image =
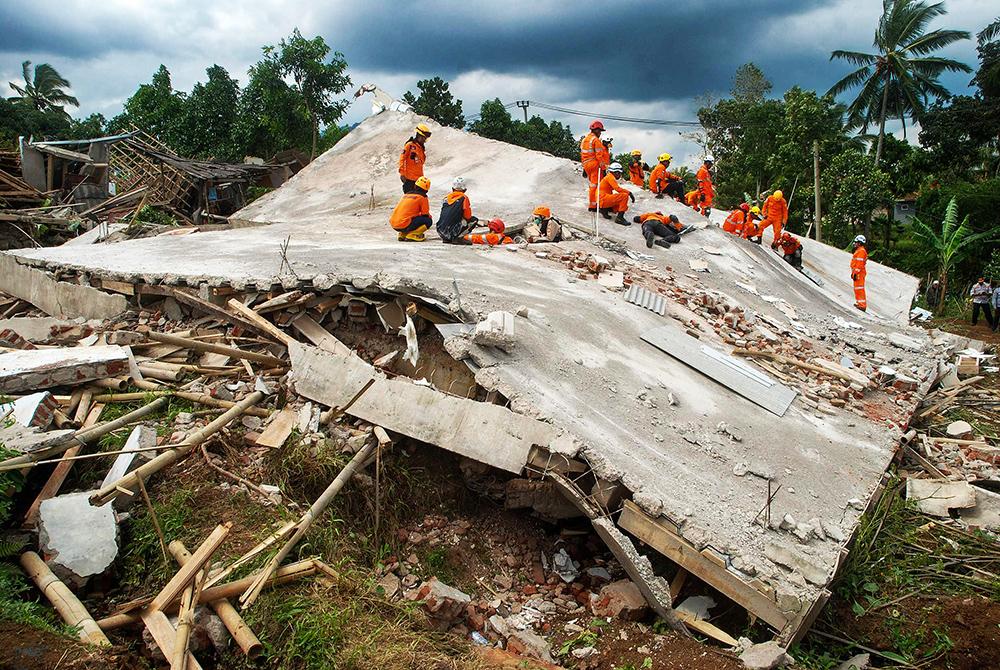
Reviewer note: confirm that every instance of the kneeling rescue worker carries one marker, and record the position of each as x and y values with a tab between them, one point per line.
660	229
612	197
791	249
735	221
493	238
548	225
413	157
859	270
751	228
456	217
412	216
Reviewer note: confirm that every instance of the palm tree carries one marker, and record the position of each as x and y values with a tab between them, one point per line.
988	76
45	90
950	245
901	75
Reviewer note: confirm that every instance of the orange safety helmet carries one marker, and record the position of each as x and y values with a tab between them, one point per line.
597	125
745	207
542	211
496	226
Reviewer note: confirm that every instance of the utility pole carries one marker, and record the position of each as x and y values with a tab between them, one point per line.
819	214
523	104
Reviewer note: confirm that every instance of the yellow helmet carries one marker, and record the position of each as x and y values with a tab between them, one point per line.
423	182
778	194
755	210
422	129
664	157
636	152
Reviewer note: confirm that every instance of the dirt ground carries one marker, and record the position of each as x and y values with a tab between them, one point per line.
24	648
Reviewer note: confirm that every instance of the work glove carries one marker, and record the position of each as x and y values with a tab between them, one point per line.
631	196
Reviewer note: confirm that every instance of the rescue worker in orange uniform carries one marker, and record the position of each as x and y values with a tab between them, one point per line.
592	155
456	217
775	215
859	270
751	227
660	229
412	216
413	157
791	248
693	200
662	181
493	238
613	197
736	219
637	169
705	185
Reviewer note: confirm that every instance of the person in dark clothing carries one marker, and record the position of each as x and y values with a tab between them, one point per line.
659	229
456	220
934	294
981	293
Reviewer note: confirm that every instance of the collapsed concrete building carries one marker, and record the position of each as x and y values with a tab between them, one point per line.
619	387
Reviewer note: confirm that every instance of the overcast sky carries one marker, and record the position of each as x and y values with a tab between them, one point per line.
635	58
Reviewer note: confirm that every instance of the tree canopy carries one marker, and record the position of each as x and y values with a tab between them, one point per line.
437	102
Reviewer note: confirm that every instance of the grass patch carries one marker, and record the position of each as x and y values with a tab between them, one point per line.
13	605
143	559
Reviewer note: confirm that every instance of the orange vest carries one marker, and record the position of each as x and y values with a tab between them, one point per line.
859	262
704	180
491	239
411	160
790	246
775	209
610	185
635	173
692	198
410	205
734	222
591	149
662	218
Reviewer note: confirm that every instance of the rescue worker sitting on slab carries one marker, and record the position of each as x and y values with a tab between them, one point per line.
456	219
662	181
611	197
660	229
413	157
791	249
637	169
412	216
751	227
549	227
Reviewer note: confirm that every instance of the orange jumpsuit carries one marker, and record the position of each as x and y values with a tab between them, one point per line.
734	222
490	239
612	195
693	200
592	155
411	214
751	228
636	175
775	211
859	263
411	161
706	188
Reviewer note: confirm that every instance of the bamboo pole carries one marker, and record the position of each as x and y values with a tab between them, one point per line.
234	623
161	373
748	353
69	607
144	471
232	352
185	621
200	398
113	384
187	572
276	536
83	407
260	323
318	507
285	574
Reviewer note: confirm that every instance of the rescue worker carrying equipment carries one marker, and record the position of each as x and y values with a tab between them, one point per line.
791	248
662	181
705	185
413	157
775	215
594	161
549	227
659	229
613	197
493	238
637	169
751	228
859	270
734	222
412	216
456	217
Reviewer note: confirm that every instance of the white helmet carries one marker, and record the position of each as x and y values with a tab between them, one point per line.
860	239
615	167
458	184
710	158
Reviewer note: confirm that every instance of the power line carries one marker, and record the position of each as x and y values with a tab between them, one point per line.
612	117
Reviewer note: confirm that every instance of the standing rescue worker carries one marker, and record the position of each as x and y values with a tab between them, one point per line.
859	265
637	169
456	217
659	229
775	215
594	161
613	197
412	216
413	157
493	238
705	186
735	221
791	248
661	180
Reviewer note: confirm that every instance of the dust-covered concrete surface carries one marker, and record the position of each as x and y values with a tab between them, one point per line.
633	412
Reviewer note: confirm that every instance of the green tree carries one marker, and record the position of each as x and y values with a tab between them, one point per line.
209	118
901	75
951	243
437	102
155	108
853	186
988	46
750	84
270	118
44	90
956	132
93	126
315	80
496	123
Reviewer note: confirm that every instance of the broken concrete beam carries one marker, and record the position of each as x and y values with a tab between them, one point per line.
936	497
541	496
27	440
607	494
56	298
142	437
79	541
496	330
39	329
32	411
45	368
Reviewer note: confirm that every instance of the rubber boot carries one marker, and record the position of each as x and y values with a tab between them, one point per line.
591	209
401	237
606	212
621	221
662	243
650	239
659	196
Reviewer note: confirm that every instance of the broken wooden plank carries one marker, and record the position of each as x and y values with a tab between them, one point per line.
165	636
188	570
276	432
319	335
258	322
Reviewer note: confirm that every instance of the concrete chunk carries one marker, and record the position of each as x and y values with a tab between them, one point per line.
497	330
32	411
44	368
142	437
765	656
936	497
796	561
79	541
